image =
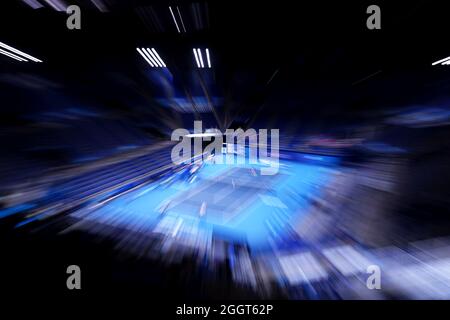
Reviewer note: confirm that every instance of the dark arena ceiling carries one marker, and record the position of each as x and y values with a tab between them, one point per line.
307	62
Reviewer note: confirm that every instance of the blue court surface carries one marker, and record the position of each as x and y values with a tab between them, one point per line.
234	202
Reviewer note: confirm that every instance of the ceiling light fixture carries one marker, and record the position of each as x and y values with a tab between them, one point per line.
151	57
200	58
145	57
207	58
196	57
159	58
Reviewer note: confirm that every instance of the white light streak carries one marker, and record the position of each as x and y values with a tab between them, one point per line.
150	56
175	20
439	61
159	58
23	54
154	57
12	55
196	57
200	58
181	19
145	57
207	58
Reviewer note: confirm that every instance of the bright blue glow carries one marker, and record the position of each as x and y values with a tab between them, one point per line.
239	203
15	209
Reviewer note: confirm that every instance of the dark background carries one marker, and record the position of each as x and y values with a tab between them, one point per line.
307	67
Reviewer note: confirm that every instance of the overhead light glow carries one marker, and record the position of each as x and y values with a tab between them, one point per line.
203	135
57	5
199	58
33	3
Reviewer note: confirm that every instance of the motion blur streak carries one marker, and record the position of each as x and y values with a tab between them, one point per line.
363	181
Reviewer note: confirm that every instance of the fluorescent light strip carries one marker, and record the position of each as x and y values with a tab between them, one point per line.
206	134
23	54
6	53
175	20
181	19
57	5
200	58
157	55
144	56
152	59
439	61
196	57
207	58
33	3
